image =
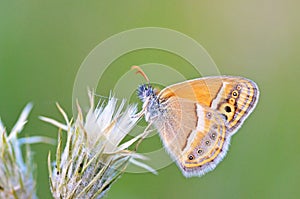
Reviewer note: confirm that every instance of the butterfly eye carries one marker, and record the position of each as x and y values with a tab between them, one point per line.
200	151
231	101
191	157
227	109
213	136
234	93
208	115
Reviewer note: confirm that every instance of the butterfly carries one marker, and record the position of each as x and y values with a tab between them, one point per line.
197	118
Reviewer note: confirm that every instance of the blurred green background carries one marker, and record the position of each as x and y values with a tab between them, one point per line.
43	43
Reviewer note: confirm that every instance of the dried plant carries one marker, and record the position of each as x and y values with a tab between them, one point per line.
93	157
16	176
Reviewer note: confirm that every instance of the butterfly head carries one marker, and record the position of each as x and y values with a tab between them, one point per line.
146	91
151	103
150	98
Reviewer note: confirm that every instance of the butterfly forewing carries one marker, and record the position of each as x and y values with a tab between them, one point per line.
233	97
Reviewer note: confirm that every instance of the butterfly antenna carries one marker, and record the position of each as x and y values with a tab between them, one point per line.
140	71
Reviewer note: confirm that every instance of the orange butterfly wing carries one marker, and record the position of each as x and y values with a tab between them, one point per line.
233	97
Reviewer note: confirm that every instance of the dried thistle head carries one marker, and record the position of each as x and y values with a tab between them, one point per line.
93	157
16	176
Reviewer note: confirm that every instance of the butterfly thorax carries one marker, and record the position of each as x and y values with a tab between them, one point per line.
151	103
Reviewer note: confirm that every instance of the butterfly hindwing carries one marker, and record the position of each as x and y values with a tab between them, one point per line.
196	138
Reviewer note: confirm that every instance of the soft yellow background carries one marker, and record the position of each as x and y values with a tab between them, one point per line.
42	44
